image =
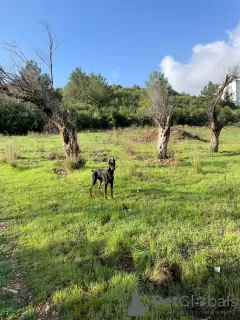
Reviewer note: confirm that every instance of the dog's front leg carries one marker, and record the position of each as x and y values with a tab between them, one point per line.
111	184
105	191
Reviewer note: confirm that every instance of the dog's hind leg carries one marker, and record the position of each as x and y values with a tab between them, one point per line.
94	180
99	184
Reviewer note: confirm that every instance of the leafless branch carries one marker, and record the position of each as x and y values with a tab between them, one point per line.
232	74
43	57
161	109
47	59
15	51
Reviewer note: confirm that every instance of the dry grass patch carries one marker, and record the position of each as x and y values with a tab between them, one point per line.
55	154
147	136
11	154
72	164
129	147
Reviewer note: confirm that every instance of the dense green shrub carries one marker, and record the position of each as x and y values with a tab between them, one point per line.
98	105
15	118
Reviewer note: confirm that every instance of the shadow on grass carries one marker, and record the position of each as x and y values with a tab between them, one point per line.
217	298
26	167
77	275
229	153
57	265
174	196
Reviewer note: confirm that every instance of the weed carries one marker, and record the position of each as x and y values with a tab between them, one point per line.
40	146
72	164
129	147
11	154
197	162
55	154
115	137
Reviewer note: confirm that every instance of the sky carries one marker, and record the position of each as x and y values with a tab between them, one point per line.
192	42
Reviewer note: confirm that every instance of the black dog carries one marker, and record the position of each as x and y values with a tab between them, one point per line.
104	175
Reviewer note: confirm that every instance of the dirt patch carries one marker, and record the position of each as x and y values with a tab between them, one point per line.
180	135
164	275
169	161
147	136
152	162
46	311
176	136
18	287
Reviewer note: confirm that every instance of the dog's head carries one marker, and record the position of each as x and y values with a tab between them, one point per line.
112	164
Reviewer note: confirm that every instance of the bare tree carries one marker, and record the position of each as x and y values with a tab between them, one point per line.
25	82
160	109
47	58
215	114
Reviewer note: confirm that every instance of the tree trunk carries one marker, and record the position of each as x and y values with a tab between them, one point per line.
162	144
215	133
69	141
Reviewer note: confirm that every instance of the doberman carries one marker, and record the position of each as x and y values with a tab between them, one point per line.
104	175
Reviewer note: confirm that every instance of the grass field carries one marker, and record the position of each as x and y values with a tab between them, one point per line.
82	258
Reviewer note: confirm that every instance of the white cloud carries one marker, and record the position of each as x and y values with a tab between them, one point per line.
209	62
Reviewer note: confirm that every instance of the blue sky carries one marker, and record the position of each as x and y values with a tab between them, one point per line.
124	40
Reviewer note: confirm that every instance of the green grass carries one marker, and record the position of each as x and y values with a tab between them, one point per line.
88	256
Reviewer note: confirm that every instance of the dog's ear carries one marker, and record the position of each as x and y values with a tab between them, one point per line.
109	160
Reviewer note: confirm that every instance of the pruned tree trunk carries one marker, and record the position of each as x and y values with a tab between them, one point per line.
215	133
162	143
69	141
216	122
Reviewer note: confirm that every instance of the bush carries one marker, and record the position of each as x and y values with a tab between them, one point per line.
15	118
